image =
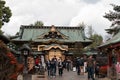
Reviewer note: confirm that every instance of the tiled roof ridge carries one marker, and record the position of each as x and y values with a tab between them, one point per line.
58	27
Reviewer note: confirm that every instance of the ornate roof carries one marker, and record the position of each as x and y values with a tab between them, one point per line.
115	39
52	34
47	33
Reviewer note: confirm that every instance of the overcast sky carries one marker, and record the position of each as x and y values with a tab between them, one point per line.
59	13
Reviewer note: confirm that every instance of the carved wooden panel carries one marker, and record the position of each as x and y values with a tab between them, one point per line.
54	52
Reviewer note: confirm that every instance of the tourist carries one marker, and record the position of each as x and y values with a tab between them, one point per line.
97	66
78	63
52	68
37	61
55	61
90	67
64	64
60	67
48	67
68	64
82	65
85	66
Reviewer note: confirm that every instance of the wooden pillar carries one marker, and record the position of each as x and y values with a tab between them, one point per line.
117	51
119	57
110	57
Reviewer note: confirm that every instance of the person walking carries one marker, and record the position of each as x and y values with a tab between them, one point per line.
90	67
97	67
78	63
60	67
48	67
68	65
37	61
64	64
55	63
52	68
82	65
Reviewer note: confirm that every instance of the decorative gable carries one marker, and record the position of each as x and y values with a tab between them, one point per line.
53	34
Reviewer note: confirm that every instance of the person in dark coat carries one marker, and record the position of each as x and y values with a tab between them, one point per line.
68	64
48	67
97	67
60	67
90	67
55	61
64	64
78	63
52	68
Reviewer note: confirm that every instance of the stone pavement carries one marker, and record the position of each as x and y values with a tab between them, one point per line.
66	76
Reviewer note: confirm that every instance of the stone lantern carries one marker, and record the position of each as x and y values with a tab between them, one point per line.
25	51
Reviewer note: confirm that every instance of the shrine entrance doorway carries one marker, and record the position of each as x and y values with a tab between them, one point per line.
55	52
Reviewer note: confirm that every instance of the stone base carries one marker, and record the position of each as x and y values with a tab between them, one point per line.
37	77
30	77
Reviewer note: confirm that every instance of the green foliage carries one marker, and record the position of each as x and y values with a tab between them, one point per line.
97	40
37	23
114	16
5	13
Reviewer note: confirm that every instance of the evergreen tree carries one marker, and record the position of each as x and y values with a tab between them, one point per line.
37	23
96	38
5	14
114	17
